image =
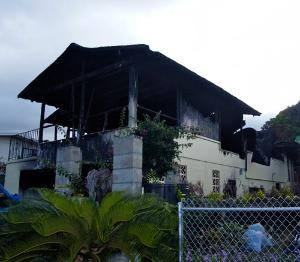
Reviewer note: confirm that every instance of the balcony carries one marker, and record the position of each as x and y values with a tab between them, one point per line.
96	147
23	145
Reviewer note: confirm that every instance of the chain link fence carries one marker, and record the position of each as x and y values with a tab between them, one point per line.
238	230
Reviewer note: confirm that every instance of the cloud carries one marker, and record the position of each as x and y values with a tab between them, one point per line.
257	122
250	48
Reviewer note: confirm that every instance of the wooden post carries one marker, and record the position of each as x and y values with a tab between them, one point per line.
42	118
132	97
244	145
105	121
55	133
68	133
219	118
81	113
87	115
73	110
178	105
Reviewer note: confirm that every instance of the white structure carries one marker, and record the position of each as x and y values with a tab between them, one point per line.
207	163
13	171
4	147
4	154
20	151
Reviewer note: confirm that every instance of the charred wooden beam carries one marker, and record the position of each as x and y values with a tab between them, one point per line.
88	109
68	133
103	72
55	133
157	112
105	121
47	126
132	97
42	118
178	105
73	109
81	113
119	108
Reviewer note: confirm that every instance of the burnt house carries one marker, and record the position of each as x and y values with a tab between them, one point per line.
97	91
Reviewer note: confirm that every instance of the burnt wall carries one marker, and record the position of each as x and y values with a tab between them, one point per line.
193	119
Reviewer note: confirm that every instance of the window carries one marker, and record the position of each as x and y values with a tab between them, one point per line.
216	180
253	190
182	173
230	188
278	186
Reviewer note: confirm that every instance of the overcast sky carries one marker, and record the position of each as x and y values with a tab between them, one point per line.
249	48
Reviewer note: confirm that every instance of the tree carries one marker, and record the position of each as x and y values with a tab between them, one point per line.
286	125
160	145
53	227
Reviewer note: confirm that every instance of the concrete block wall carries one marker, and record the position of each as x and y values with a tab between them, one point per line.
69	160
206	155
127	164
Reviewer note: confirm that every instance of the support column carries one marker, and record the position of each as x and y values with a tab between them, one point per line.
178	105
55	132
42	118
68	160
127	164
132	97
81	113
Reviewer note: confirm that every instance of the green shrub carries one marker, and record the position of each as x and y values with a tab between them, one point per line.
160	146
286	192
214	197
179	194
260	194
274	193
68	229
247	197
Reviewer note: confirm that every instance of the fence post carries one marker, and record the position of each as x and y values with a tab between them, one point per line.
180	231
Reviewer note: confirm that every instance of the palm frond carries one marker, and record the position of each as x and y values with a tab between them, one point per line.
60	202
109	201
32	241
50	225
148	234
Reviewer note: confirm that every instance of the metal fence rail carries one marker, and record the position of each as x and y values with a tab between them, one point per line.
236	230
23	145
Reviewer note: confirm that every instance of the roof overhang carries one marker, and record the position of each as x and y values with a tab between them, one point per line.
105	73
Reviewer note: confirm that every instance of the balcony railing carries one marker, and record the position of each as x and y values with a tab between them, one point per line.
23	145
95	148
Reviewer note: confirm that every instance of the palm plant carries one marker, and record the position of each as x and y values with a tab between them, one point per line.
52	227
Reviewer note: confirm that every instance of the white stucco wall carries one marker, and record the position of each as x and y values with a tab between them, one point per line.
13	169
4	148
206	155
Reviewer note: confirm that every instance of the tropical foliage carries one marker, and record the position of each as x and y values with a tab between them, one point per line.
286	125
160	145
52	227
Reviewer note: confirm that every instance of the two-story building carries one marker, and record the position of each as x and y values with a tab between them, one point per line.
92	88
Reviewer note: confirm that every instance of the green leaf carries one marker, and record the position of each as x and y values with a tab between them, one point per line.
58	224
109	201
32	241
148	234
28	212
60	202
7	229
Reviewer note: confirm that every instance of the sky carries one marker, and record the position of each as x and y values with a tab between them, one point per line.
249	48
